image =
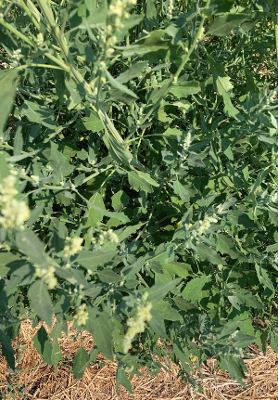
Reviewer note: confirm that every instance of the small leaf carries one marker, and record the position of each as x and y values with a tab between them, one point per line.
80	363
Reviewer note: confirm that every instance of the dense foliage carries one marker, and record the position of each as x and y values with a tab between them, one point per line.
138	179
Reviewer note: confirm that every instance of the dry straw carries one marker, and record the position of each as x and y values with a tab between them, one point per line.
98	382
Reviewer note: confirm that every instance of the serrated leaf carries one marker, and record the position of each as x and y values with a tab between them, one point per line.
192	290
43	345
94	123
99	327
122	379
80	363
141	181
39	114
41	301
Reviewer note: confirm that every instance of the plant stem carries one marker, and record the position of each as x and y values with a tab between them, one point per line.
276	30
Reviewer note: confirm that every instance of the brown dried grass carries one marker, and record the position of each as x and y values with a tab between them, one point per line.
99	383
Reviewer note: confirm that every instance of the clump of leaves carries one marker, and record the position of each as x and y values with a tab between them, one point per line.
140	151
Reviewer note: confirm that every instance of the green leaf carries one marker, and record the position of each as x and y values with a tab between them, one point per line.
122	217
8	85
94	123
117	85
74	276
176	268
80	363
99	327
166	311
43	345
181	191
108	276
18	142
39	114
56	355
133	72
159	291
30	245
118	151
235	366
141	181
272	247
208	254
157	323
94	259
94	215
7	349
4	169
193	288
5	259
224	24
41	301
120	200
122	379
152	47
184	89
59	163
239	217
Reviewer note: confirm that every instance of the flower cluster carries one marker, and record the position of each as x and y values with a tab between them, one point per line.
203	225
72	246
136	324
118	12
14	212
170	9
81	315
47	274
105	236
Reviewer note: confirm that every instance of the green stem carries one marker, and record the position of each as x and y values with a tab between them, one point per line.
29	13
199	35
276	30
16	32
38	65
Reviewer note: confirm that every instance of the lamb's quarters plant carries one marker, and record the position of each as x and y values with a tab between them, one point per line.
138	179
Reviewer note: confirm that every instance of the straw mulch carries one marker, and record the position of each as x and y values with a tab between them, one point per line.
98	382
